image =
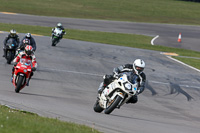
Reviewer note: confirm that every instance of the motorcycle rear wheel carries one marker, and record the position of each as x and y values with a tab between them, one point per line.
19	84
113	105
97	108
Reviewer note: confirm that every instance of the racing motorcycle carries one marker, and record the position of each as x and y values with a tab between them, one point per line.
21	74
11	47
56	36
118	92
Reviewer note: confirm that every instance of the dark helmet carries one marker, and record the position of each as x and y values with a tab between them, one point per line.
28	49
13	33
28	35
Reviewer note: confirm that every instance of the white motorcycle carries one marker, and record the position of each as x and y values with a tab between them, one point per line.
56	36
116	94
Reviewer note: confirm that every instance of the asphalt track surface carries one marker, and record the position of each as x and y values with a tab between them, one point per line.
68	75
168	33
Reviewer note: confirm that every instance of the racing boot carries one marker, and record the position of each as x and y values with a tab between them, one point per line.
107	80
132	100
12	74
27	84
11	79
102	86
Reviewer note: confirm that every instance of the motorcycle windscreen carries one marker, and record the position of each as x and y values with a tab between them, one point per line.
25	62
11	43
132	78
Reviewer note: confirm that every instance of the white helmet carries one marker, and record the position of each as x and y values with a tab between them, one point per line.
13	33
138	66
59	25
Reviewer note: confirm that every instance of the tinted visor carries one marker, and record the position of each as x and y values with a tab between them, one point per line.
139	69
12	34
29	52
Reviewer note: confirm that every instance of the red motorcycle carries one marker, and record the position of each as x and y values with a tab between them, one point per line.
21	74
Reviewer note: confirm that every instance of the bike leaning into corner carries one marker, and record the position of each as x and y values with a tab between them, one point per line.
118	92
57	34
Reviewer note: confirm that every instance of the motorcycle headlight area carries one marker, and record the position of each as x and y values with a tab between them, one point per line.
128	86
25	70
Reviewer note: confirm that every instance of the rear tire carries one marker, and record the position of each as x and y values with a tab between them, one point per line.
113	105
97	108
19	84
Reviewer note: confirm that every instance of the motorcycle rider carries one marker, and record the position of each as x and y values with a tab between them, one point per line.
32	41
59	25
25	42
136	68
27	54
12	34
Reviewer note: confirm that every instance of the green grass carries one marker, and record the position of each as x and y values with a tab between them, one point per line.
155	11
192	62
14	121
129	40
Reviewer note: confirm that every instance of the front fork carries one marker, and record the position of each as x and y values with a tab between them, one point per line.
15	79
105	99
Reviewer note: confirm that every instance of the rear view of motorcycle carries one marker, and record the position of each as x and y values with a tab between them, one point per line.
56	36
21	74
116	94
11	47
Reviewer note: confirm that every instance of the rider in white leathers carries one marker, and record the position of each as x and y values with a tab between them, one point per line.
136	68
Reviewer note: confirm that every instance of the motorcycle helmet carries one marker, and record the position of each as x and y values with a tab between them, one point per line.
13	33
28	35
138	66
28	49
59	25
26	42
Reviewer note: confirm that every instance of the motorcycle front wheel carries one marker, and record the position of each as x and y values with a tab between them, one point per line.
9	57
19	84
54	41
112	105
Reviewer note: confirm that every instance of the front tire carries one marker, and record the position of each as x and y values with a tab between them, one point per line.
19	84
113	105
9	57
54	41
97	108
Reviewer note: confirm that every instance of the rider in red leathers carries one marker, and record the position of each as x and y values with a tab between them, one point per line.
27	54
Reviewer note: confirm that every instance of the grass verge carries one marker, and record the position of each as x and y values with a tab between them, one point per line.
15	121
154	11
192	62
129	40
